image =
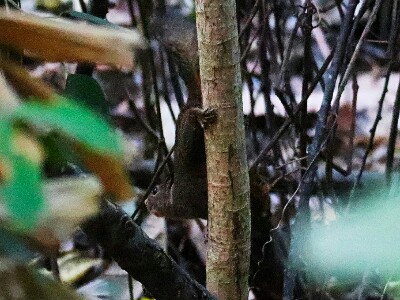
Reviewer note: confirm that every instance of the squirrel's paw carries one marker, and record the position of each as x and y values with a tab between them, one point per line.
208	116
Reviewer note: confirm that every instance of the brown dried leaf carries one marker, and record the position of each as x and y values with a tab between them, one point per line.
111	171
61	40
24	84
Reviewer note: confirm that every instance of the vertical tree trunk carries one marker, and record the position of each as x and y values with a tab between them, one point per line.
228	182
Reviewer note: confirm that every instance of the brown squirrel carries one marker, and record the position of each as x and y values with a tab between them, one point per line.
184	196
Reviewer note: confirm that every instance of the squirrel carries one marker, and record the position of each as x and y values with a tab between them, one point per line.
185	195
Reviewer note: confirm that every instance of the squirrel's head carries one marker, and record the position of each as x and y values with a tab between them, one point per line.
160	199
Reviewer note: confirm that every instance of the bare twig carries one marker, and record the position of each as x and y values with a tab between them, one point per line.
249	20
391	54
278	31
321	133
252	125
134	109
288	122
392	137
307	27
375	125
349	159
165	86
152	183
339	8
131	10
249	44
175	81
354	57
286	57
265	87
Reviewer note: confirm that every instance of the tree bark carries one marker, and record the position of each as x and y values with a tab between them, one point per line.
228	182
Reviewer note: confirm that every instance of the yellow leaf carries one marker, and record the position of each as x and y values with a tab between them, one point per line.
69	201
26	145
75	265
8	99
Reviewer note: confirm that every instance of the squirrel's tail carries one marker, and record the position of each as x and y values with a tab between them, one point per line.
177	35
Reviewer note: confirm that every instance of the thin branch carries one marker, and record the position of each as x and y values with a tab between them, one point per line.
391	54
249	20
287	54
354	57
349	159
350	44
131	12
375	125
83	6
165	85
288	122
299	241
307	27
248	47
393	137
279	33
134	109
339	8
265	88
252	126
156	175
175	81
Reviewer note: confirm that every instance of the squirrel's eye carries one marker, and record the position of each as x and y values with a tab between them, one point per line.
155	190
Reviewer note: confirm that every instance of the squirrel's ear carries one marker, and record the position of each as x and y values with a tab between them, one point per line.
169	181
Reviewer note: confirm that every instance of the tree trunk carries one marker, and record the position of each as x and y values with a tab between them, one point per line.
228	182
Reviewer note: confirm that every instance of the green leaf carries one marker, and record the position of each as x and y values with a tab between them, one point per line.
74	120
60	157
363	238
5	136
14	245
87	89
21	191
76	15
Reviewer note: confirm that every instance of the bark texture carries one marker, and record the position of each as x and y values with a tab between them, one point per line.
228	182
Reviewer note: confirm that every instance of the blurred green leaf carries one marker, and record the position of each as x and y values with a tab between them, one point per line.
74	120
14	245
23	192
60	157
21	187
5	135
87	89
76	15
367	238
